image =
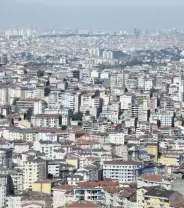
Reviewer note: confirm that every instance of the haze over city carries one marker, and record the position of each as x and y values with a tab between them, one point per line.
102	14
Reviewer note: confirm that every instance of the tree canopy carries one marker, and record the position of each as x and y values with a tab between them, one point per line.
15	101
40	73
46	91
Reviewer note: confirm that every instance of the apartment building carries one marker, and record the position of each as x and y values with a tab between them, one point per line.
37	105
111	111
67	100
46	147
124	171
46	120
116	137
2	195
13	92
3	95
13	201
148	84
89	101
6	158
153	149
116	80
157	197
126	101
165	119
33	170
92	190
28	92
17	179
120	197
44	186
171	158
155	180
28	135
59	192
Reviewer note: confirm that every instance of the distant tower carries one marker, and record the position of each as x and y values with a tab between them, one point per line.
137	32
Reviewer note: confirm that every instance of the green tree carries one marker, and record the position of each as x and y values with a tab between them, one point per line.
29	114
15	101
47	83
77	116
46	91
60	120
40	73
25	71
126	89
63	127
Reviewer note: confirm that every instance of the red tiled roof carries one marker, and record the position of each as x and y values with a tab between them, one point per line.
83	204
178	204
98	183
33	203
155	178
63	187
46	181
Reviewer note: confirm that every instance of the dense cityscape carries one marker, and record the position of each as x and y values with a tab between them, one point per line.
91	119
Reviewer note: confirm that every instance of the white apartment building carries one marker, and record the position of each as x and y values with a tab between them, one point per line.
77	102
13	92
95	74
116	137
90	101
104	75
39	107
164	118
2	195
148	84
33	170
52	100
47	136
3	95
46	120
108	55
126	101
126	76
17	178
60	154
122	151
56	110
28	92
6	158
66	115
94	52
21	147
141	81
132	83
46	147
155	180
39	92
13	201
111	111
67	100
65	120
62	85
116	80
54	169
86	100
122	171
59	192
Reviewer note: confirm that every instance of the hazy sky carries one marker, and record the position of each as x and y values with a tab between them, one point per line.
92	14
